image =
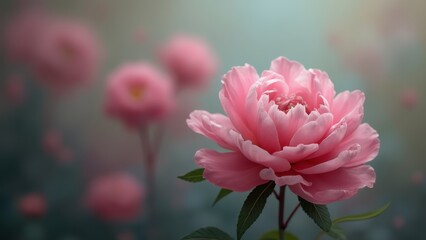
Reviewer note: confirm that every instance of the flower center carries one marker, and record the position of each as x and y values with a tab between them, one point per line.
287	103
136	92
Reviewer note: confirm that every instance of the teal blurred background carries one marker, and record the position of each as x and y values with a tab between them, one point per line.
376	47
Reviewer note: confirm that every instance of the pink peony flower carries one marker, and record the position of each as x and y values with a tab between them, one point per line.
189	60
32	205
288	126
138	93
66	56
115	197
21	34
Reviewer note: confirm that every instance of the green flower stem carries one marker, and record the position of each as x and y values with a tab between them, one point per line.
281	208
291	215
150	150
282	223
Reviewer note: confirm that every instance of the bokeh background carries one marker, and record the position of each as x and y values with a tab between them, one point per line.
375	46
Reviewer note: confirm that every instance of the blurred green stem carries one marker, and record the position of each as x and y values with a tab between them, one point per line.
150	150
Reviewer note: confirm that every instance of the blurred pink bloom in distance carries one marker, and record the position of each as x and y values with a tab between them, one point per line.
288	126
189	60
398	222
53	145
137	93
115	197
15	90
125	236
21	34
32	205
417	177
67	55
409	98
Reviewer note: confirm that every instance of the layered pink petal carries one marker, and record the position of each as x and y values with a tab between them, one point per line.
293	72
236	84
297	153
336	185
349	105
321	83
332	140
264	127
368	139
260	156
229	170
286	178
214	126
324	166
288	123
313	131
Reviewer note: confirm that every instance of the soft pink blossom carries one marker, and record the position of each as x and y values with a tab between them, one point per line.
125	236
115	197
53	145
15	90
22	32
398	222
137	93
409	98
32	205
66	56
288	126
417	177
189	60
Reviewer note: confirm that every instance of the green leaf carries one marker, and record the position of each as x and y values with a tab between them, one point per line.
319	213
253	206
194	176
336	233
363	216
274	235
222	193
208	233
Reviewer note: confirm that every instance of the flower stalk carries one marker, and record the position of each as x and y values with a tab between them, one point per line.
281	208
282	223
150	152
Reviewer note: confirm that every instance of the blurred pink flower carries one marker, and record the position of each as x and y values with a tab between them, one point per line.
189	60
139	35
32	205
137	93
51	141
15	90
288	126
22	32
115	197
398	222
53	145
417	177
409	98
67	55
125	236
